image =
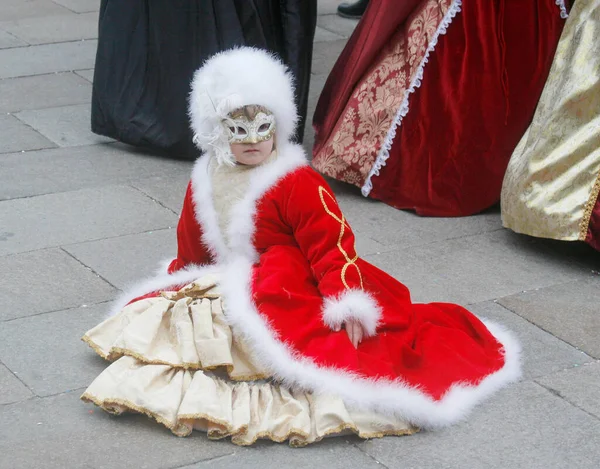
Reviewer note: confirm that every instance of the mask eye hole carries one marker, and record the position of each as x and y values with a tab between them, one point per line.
264	127
238	131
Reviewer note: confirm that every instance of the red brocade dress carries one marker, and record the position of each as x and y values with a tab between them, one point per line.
429	98
276	272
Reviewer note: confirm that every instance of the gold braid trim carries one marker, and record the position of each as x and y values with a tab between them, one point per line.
236	439
109	406
185	423
589	208
343	225
95	347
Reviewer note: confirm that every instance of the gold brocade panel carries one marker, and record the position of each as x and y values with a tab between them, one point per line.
553	178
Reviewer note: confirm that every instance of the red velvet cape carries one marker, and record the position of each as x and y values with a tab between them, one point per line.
290	273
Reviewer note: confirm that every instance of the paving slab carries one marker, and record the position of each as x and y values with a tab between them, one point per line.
325	55
87	74
366	246
80	6
168	189
570	311
47	280
47	58
322	35
66	169
402	229
11	389
327	7
77	216
46	352
17	9
8	40
483	267
523	427
126	260
580	386
17	136
51	29
42	91
62	432
333	454
336	24
67	126
542	353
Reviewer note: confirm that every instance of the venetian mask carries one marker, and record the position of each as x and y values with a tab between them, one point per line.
241	128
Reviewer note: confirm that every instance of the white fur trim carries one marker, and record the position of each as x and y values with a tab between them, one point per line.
384	152
382	396
234	78
240	232
161	281
563	8
163	266
352	304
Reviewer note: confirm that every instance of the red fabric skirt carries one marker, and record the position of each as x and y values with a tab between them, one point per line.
479	91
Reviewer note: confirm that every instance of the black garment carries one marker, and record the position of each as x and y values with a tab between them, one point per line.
148	51
353	10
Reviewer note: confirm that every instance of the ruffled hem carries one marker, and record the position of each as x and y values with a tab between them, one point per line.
182	329
176	360
184	401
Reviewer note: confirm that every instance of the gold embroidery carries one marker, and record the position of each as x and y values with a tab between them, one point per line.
343	225
589	208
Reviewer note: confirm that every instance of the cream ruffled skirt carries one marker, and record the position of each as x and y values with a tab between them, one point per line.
176	360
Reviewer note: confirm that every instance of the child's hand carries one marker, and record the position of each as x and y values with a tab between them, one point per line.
355	331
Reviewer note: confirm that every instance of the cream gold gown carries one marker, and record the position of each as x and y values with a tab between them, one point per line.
551	186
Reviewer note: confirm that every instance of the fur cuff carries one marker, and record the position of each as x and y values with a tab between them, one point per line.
352	304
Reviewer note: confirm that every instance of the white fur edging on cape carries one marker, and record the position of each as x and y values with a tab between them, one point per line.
382	396
352	304
239	235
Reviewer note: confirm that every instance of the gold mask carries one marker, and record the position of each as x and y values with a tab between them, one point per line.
241	128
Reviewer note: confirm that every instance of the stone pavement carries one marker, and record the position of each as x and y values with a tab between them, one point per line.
82	217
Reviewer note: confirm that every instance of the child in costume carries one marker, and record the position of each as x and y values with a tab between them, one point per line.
268	324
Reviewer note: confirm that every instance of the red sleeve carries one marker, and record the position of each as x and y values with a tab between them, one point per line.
190	249
322	233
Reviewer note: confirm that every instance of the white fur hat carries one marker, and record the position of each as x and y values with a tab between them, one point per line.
234	78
